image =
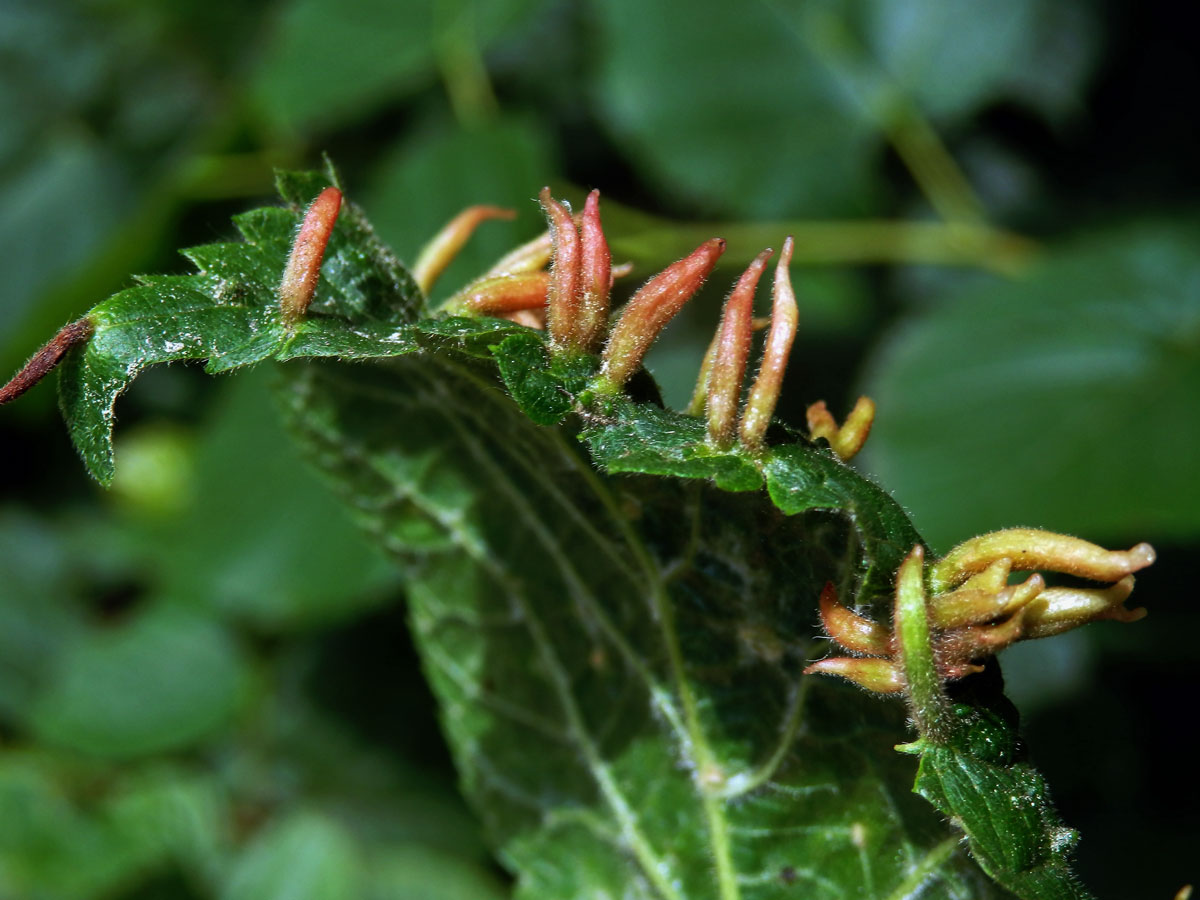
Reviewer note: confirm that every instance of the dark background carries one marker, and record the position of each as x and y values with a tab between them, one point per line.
206	685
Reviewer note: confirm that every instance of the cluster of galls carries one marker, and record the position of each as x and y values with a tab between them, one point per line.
971	610
570	300
947	616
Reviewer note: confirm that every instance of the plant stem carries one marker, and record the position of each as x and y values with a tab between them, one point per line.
930	163
837	242
867	86
460	60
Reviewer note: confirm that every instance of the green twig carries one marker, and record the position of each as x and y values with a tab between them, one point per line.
868	87
460	61
834	242
930	164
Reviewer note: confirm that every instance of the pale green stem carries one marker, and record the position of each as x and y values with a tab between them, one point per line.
869	87
919	876
837	242
460	61
929	162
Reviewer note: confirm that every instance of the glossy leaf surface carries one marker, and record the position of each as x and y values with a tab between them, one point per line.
613	615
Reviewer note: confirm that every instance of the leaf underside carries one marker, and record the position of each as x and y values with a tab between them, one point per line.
613	616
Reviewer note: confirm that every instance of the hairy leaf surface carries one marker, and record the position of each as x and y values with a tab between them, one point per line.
613	615
618	658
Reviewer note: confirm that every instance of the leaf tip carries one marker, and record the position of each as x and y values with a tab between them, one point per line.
47	358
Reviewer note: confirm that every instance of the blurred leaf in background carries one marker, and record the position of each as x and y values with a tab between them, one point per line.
730	107
1081	374
157	683
104	106
206	687
325	64
258	540
422	182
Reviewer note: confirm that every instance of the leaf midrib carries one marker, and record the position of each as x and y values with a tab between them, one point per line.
696	747
652	865
466	422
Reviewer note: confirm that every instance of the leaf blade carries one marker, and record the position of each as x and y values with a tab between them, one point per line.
607	589
484	621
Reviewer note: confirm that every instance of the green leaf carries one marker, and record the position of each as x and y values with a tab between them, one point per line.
655	441
782	109
37	616
613	615
51	850
228	315
69	190
415	872
540	602
982	778
40	221
731	108
159	682
174	815
328	62
303	857
538	630
543	386
1001	48
322	754
260	540
370	51
1099	346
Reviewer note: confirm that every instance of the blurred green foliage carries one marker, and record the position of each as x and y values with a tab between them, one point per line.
206	688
